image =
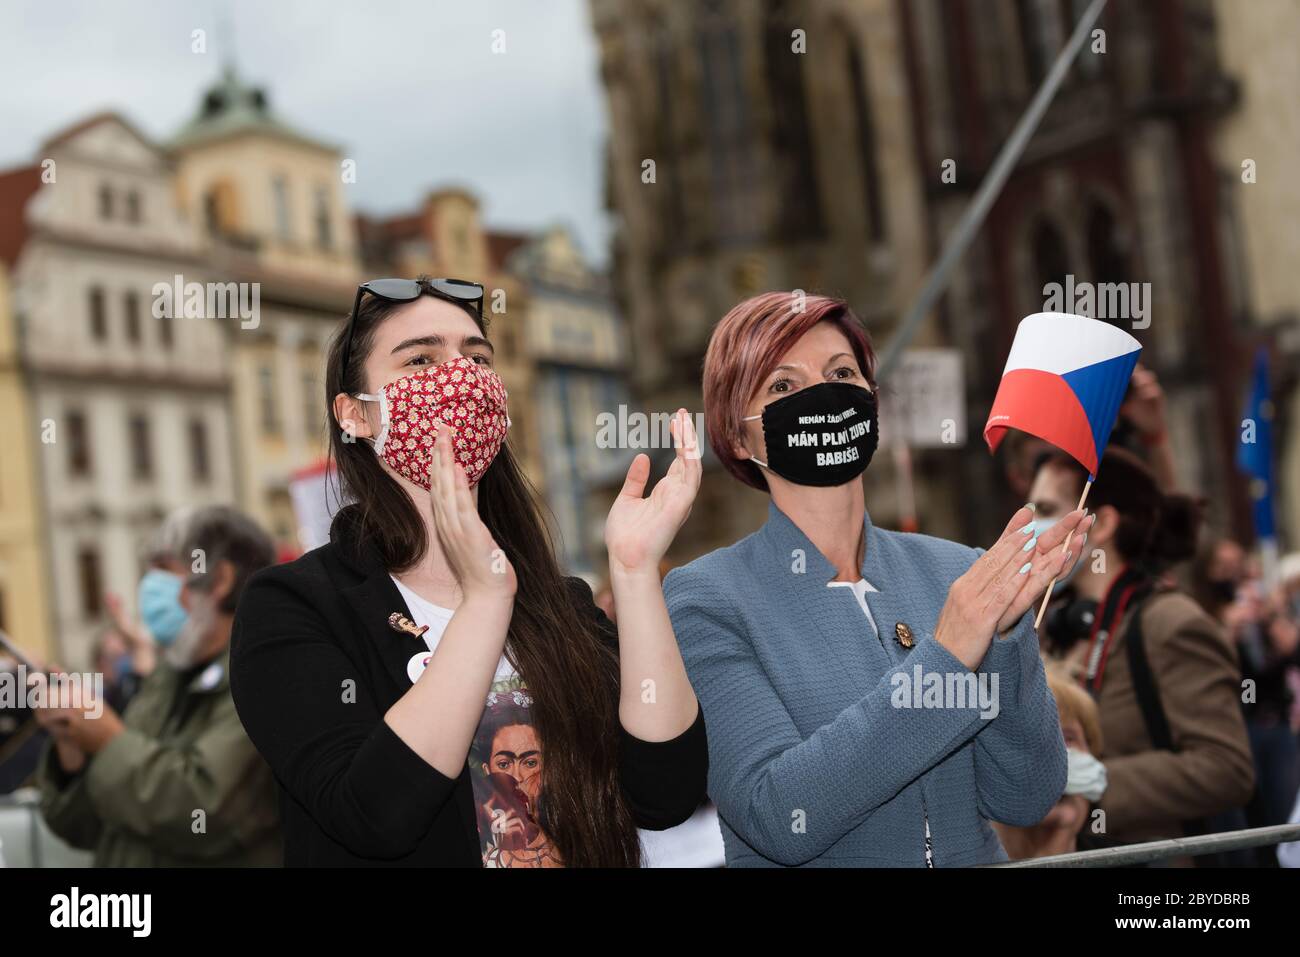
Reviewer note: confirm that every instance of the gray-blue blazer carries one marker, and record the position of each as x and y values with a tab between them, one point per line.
815	756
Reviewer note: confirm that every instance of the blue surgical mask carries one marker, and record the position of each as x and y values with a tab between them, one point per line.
160	605
1043	524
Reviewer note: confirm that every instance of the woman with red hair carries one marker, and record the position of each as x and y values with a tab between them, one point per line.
878	696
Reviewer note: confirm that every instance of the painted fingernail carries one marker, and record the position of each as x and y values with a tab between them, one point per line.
1025	567
1031	506
1030	544
1027	529
1068	556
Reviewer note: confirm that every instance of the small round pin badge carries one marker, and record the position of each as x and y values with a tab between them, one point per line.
415	667
210	677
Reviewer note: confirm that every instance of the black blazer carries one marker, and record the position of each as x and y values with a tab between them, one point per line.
306	634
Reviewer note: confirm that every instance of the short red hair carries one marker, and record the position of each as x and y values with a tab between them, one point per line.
744	349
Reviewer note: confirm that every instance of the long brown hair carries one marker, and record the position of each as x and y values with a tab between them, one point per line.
572	674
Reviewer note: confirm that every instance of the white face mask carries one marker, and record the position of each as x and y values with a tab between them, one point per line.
1084	775
380	437
1043	524
184	652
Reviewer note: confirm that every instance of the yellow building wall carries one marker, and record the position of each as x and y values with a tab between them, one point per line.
24	562
242	170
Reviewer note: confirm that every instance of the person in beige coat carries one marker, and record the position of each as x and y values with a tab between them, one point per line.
1164	674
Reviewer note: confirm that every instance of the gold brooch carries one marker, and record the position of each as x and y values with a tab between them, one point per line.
904	635
399	622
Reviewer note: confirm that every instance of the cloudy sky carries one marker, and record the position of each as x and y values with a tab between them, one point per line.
411	90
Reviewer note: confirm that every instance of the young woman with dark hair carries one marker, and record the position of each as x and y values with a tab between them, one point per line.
1163	672
363	670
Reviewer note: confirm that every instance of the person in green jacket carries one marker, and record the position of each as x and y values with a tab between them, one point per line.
174	781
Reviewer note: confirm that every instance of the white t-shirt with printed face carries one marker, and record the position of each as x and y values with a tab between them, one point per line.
425	612
505	759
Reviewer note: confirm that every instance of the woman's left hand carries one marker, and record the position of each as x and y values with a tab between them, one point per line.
1052	555
639	530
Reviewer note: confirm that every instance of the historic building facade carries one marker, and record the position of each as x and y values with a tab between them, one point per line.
782	157
128	410
579	348
1119	185
24	557
269	202
1256	146
844	169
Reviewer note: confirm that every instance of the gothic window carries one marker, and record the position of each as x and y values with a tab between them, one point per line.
1089	64
668	172
1041	35
792	144
728	126
865	127
1107	256
1051	261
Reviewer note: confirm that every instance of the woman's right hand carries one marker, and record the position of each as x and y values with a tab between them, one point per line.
480	565
994	593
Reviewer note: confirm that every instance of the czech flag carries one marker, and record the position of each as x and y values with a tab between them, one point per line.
1064	382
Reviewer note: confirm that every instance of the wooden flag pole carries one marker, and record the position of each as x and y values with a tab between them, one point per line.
1042	609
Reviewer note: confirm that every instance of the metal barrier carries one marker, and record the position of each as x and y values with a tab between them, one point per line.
27	841
1132	854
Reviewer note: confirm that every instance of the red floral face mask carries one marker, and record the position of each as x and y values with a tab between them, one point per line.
468	397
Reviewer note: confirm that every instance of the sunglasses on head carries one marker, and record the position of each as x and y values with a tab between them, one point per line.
460	292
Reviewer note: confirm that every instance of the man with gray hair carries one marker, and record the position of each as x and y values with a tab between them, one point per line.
175	780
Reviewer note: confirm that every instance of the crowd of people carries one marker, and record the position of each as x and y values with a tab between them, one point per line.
429	688
1188	653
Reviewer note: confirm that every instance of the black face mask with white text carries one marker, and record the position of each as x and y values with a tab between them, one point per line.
822	435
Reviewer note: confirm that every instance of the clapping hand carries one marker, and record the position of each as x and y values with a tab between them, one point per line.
640	528
1004	582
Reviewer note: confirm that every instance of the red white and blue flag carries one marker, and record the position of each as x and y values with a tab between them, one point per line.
1064	382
